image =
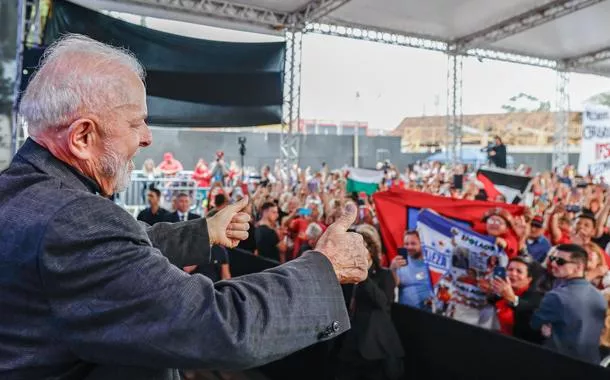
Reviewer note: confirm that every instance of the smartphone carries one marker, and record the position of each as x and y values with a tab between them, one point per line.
304	212
500	272
404	253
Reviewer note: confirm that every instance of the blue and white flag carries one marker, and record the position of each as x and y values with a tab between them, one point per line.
460	262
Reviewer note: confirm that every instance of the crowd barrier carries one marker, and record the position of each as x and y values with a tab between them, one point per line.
435	348
134	200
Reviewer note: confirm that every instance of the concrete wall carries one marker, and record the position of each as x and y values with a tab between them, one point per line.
263	148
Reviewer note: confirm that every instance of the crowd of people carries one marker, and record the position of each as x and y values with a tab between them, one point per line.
557	283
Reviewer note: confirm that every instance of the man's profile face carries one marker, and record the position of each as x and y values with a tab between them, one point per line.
153	199
272	214
123	131
183	204
564	267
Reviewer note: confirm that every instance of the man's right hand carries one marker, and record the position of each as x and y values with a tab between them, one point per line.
398	262
345	250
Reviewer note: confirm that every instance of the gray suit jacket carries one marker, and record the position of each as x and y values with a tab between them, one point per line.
576	312
86	292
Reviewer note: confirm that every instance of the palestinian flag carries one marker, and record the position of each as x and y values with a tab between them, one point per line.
363	180
505	182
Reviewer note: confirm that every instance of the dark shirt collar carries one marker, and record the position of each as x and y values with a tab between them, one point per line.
44	161
574	281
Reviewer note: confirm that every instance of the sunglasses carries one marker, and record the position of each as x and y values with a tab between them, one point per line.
560	261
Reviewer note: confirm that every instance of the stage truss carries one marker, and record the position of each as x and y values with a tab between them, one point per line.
336	17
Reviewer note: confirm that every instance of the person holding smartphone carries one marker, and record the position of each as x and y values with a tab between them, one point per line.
411	274
516	298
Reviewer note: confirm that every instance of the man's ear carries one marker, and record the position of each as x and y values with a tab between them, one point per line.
84	139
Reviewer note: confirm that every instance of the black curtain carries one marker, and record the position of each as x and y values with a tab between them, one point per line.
190	82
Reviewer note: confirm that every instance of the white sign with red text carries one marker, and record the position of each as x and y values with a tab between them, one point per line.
595	141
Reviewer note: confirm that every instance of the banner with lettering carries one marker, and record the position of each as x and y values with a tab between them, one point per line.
595	141
460	262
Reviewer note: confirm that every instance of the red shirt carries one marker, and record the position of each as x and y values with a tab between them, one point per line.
298	228
202	176
506	314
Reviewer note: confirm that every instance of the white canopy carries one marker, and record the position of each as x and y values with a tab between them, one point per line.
574	34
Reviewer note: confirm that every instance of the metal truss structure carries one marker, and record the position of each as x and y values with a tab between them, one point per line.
29	31
562	122
522	22
454	107
316	15
289	139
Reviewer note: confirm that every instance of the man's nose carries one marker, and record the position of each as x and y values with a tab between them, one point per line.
146	137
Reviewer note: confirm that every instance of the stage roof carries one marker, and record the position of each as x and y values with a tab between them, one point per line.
569	34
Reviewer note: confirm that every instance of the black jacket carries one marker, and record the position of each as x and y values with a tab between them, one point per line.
173	217
373	335
528	303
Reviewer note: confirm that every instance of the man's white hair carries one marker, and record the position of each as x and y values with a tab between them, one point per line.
76	75
313	231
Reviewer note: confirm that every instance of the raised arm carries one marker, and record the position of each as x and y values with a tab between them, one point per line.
117	300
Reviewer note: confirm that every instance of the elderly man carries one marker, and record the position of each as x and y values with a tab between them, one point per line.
86	292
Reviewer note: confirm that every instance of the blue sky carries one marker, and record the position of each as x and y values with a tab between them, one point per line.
393	81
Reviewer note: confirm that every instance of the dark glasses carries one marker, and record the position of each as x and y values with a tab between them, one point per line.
559	260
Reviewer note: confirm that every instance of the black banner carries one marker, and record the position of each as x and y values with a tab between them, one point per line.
190	82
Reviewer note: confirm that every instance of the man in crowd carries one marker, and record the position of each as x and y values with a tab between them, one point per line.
170	166
572	315
154	213
538	245
585	229
312	233
497	153
182	213
220	202
268	239
102	300
412	277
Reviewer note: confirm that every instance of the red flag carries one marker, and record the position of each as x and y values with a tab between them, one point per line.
490	189
392	212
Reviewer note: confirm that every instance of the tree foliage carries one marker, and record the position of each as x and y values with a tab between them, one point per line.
602	98
523	102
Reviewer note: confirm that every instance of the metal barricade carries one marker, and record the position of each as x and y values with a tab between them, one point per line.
133	199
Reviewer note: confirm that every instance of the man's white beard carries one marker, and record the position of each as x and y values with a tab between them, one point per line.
115	168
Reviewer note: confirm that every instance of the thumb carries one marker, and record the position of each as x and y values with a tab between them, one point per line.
347	218
239	206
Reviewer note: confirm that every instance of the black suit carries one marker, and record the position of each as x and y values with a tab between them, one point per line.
173	217
528	303
372	349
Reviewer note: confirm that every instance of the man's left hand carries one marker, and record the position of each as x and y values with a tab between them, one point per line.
230	225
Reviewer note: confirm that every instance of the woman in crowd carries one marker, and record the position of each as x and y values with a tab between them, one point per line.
516	299
150	173
498	223
372	349
597	270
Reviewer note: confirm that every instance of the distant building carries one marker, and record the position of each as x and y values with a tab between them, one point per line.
518	128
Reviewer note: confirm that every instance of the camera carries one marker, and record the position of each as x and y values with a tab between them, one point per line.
242	146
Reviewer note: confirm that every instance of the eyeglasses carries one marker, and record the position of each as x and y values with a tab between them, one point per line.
560	261
495	221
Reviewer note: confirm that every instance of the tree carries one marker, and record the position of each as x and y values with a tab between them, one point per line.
526	103
602	98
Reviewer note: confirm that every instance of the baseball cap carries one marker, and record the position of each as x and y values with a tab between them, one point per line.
537	221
